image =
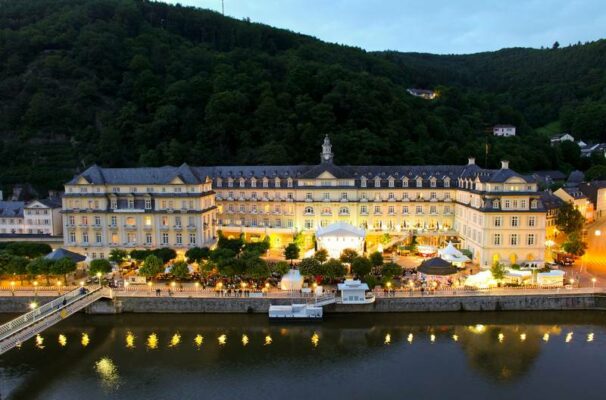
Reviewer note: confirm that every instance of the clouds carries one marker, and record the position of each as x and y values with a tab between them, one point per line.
435	26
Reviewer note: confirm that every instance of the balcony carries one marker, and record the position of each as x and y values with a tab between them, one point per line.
364	213
391	199
405	199
177	227
191	227
164	227
308	214
363	200
130	226
148	227
96	226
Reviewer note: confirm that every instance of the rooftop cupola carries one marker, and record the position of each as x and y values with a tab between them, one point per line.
326	155
504	164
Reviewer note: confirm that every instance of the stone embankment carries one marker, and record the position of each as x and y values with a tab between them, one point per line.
525	302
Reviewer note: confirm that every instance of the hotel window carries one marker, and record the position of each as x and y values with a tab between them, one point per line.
192	238
363	182
433	196
289	196
131	203
532	221
191	221
253	195
391	196
72	237
130	221
253	183
523	204
447	182
147	220
391	182
131	237
289	223
114	221
419	182
97	220
377	209
242	208
278	223
84	220
344	196
497	239
507	204
530	240
178	222
377	182
113	204
432	210
364	210
419	210
179	238
404	182
447	210
164	220
163	204
114	238
71	220
344	211
165	238
323	223
498	221
148	238
533	204
242	182
116	189
495	204
309	210
85	237
432	183
309	224
96	204
308	197
513	239
514	204
277	182
289	182
390	210
230	182
326	196
219	182
405	210
514	221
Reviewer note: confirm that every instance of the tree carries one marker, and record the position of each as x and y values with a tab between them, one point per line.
281	267
28	249
180	270
291	252
321	255
574	245
348	256
234	245
390	269
569	219
555	45
17	265
597	172
63	267
152	266
139	255
165	254
376	259
309	266
334	269
498	270
217	255
117	255
40	266
361	266
100	265
197	254
256	267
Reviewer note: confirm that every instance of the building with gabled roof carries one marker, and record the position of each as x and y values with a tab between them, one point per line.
497	213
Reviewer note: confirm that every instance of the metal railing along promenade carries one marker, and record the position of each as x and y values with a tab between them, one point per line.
24	327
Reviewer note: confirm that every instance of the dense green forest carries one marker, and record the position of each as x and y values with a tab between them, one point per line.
133	82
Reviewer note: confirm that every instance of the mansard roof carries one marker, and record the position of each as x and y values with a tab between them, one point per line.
140	176
11	209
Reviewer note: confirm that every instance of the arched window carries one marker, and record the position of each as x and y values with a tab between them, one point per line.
309	210
496	204
344	211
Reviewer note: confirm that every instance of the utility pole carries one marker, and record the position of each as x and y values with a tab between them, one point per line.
223	7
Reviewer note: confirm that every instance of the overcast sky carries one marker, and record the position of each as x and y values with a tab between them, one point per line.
435	26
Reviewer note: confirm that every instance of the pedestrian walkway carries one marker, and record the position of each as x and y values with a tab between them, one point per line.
22	328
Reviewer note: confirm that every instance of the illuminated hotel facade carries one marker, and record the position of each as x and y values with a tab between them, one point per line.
496	214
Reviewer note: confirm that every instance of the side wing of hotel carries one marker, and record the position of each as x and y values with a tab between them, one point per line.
497	214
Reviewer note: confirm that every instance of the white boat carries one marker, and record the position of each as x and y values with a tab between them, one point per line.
295	312
354	292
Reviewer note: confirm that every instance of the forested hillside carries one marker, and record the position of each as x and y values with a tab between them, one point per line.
132	82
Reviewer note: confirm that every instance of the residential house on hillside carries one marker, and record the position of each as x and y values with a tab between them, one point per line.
548	178
561	137
36	217
575	178
596	193
423	93
589	149
504	130
578	199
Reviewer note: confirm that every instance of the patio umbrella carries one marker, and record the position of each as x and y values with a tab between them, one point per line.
437	266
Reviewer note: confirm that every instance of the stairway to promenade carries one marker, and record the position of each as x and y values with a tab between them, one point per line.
28	325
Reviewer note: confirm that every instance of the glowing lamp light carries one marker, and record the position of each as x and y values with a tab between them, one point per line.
33	305
598	232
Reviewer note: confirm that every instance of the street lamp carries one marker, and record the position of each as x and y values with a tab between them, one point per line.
572	282
598	232
13	287
33	305
35	288
99	277
197	285
149	284
593	281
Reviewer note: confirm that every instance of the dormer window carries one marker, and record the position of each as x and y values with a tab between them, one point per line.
363	181
446	182
219	182
405	182
391	182
242	182
230	182
289	182
265	182
534	204
253	182
277	182
433	182
377	182
496	204
419	182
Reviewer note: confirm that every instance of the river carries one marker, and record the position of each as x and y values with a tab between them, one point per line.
503	355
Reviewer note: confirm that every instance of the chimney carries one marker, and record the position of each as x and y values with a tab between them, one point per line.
471	161
504	164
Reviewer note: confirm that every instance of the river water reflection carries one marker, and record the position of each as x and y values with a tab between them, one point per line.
413	356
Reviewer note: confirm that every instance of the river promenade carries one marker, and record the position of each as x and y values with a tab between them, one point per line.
146	299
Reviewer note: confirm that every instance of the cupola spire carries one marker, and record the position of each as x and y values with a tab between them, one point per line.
326	155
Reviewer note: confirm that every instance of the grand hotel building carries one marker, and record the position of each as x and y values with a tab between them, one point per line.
497	214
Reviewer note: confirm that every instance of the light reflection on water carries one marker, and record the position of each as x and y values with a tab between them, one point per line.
253	352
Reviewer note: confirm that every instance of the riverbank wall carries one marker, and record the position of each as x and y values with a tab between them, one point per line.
538	302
